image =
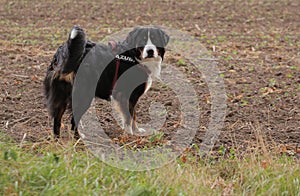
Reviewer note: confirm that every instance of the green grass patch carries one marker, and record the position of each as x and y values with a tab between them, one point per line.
50	168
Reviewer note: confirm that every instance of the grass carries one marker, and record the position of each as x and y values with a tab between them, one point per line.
50	168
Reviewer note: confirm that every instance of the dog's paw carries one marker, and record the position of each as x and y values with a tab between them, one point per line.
141	130
128	129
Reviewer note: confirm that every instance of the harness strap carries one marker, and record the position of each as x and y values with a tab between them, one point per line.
113	46
116	75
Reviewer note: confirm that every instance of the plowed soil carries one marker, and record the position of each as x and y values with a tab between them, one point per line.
256	44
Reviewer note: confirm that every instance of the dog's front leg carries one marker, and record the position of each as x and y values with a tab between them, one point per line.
134	123
122	106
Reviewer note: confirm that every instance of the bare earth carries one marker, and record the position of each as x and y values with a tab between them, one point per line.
257	44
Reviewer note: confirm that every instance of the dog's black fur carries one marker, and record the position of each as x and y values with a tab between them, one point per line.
60	76
129	53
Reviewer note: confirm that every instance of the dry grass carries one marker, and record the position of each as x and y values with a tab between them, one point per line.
53	168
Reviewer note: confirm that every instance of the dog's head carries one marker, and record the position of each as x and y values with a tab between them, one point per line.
150	42
149	45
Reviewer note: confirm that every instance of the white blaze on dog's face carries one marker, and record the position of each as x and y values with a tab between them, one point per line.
150	49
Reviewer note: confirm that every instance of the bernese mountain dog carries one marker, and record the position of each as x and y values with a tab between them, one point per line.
140	55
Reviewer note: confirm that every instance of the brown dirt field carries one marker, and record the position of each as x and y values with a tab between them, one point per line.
257	44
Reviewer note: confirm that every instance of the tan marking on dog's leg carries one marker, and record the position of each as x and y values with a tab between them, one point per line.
68	77
122	106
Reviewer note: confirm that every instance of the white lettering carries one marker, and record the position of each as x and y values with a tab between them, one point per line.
125	58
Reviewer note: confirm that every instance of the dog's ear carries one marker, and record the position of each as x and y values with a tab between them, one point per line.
130	37
165	37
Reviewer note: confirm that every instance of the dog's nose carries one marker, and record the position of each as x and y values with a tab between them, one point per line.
150	53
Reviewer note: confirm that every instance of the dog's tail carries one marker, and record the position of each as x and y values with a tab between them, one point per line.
76	45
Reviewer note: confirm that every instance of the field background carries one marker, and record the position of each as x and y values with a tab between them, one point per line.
257	44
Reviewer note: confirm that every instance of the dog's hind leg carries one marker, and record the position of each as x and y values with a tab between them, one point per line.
57	119
74	128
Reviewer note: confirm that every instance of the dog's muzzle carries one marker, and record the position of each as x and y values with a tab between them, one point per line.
150	51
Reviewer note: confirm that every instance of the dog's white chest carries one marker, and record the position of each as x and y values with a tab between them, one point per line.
155	68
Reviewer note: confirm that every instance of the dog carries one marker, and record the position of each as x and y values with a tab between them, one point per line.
140	54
